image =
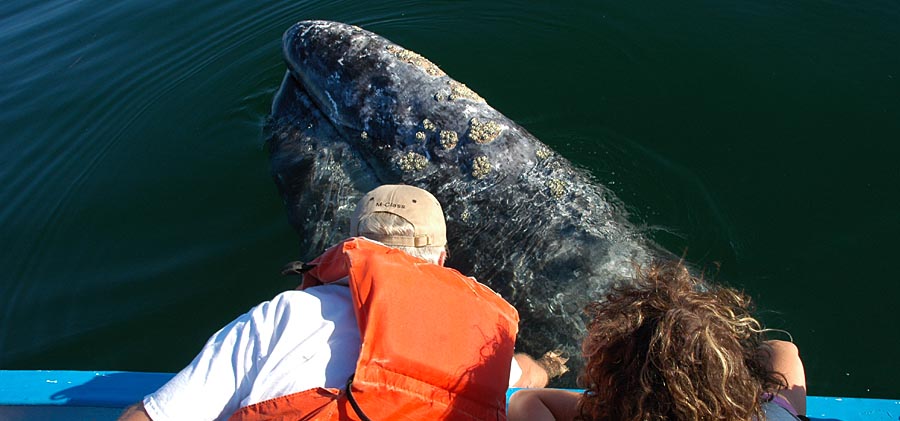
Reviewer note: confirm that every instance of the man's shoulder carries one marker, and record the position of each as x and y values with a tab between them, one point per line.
318	292
330	302
314	295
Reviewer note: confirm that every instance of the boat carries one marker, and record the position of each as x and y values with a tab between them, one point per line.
53	395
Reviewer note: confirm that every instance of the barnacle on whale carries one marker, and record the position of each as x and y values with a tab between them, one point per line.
413	162
481	166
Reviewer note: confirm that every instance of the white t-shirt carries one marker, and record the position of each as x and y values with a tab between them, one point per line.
279	347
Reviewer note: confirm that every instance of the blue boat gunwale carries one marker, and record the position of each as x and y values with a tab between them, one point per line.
118	389
111	389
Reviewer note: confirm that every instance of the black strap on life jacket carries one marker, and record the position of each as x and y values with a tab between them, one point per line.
359	413
296	268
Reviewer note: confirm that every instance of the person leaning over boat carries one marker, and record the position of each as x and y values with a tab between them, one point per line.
670	346
377	315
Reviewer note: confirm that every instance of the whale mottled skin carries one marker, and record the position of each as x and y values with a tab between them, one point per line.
355	111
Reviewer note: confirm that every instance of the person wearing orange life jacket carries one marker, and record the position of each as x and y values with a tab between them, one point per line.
418	340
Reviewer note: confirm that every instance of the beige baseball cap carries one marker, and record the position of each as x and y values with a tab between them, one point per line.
413	204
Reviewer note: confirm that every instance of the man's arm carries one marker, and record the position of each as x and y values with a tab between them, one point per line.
533	374
135	412
537	373
211	385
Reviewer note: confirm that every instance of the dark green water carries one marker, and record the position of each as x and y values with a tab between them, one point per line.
138	215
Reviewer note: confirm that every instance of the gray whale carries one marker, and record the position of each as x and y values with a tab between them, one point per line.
355	111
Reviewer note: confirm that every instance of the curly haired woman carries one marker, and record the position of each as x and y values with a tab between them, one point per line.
672	347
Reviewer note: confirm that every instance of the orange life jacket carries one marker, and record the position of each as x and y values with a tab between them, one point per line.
435	344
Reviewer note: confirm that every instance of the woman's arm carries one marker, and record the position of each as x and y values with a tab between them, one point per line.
543	405
784	358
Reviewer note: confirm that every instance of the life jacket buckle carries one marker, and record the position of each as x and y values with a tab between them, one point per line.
295	268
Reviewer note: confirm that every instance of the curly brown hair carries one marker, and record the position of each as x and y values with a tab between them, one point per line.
670	346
